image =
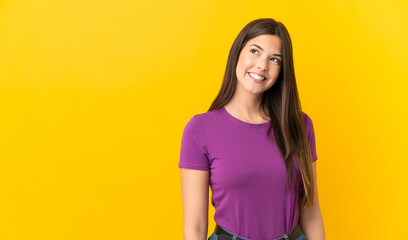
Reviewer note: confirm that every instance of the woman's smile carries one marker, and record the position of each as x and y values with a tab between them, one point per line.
256	77
260	59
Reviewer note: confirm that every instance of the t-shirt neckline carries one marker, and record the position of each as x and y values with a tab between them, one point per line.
242	122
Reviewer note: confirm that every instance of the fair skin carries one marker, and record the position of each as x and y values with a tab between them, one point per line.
310	219
195	194
265	61
260	55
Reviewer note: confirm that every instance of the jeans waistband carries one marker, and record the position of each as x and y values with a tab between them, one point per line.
292	235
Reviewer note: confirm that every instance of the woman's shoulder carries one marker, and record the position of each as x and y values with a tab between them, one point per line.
204	119
207	116
308	121
306	116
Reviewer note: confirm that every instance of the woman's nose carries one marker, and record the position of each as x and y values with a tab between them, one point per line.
262	65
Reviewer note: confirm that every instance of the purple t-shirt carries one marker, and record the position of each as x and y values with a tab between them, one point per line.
247	173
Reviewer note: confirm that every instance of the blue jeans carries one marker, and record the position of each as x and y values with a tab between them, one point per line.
214	236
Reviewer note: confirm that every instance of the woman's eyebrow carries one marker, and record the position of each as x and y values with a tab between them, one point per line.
275	54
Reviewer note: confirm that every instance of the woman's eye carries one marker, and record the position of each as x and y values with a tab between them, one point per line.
277	60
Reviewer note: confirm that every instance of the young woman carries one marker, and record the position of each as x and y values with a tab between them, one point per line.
254	147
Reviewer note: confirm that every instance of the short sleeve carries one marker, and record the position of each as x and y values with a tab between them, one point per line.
193	152
310	136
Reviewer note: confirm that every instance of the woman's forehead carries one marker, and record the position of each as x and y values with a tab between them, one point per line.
266	42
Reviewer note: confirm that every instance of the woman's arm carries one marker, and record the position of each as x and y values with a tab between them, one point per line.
311	221
194	187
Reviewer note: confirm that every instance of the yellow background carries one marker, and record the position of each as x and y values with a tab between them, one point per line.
94	96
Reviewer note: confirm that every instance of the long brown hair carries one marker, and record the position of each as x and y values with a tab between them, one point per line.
281	103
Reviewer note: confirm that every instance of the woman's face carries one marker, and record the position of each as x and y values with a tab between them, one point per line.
261	55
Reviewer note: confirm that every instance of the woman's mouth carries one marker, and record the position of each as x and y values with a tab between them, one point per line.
256	78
